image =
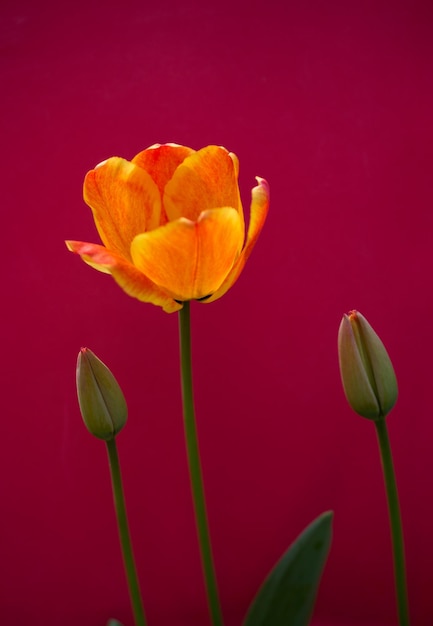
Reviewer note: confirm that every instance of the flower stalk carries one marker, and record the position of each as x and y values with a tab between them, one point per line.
370	386
194	466
124	535
395	521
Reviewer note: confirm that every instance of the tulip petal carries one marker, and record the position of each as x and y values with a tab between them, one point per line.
259	211
161	161
126	275
205	180
382	370
190	259
125	202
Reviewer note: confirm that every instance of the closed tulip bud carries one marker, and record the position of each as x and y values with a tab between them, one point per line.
102	403
367	373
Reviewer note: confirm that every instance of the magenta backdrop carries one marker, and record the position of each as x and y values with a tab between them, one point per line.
331	102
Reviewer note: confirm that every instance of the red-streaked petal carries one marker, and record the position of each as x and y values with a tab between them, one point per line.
125	202
205	180
259	211
161	161
190	259
126	275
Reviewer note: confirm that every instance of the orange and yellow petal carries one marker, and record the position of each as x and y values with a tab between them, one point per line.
161	161
205	180
126	275
125	202
190	259
259	211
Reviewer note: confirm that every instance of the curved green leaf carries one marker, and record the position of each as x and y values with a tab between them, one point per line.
287	596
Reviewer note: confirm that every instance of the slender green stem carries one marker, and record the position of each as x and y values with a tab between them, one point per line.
395	521
125	539
194	465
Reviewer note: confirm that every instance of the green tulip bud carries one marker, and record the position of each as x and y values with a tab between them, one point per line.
102	403
367	373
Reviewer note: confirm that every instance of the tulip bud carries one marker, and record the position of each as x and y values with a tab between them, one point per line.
102	403
367	373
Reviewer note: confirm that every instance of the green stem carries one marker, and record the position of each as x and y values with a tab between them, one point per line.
395	521
194	465
125	539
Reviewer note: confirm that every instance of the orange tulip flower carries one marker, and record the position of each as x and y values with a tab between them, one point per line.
172	223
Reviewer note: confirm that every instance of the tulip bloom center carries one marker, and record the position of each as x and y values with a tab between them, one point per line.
172	223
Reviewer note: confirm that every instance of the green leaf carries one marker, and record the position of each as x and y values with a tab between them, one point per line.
114	622
287	596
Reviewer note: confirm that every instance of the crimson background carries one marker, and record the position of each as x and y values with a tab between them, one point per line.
332	103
